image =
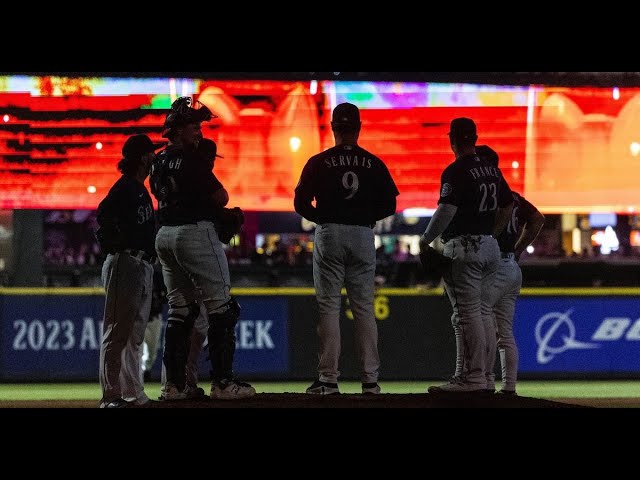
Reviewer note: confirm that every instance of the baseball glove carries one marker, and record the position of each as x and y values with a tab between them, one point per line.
434	263
229	224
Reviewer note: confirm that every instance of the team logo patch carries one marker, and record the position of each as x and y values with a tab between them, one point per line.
446	190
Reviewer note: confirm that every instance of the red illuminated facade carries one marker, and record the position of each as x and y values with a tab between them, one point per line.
565	149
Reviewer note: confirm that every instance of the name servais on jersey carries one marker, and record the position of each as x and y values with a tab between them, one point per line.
347	161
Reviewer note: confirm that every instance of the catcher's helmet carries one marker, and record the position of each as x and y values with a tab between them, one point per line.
183	114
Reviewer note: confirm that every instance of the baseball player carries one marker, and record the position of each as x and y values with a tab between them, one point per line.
194	265
522	229
200	327
475	203
353	189
126	233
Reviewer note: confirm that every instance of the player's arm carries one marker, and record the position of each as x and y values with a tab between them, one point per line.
110	234
211	190
108	212
439	222
505	208
534	222
220	197
447	208
386	210
304	195
386	203
502	220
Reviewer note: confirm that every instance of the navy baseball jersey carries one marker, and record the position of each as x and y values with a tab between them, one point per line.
474	185
128	209
351	186
523	210
183	183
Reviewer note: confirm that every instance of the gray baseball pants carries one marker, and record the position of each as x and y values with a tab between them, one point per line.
345	255
128	283
468	284
504	296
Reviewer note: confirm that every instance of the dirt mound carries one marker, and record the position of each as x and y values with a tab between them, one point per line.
297	400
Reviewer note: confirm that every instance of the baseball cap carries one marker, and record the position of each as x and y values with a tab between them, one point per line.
346	113
182	113
462	127
138	145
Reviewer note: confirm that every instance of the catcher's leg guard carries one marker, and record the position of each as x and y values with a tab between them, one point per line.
222	340
176	343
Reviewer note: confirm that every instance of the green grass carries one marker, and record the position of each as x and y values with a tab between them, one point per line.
539	389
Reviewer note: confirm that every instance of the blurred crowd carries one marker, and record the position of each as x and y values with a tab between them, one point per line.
72	257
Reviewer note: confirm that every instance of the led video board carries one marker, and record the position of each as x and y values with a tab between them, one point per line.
567	150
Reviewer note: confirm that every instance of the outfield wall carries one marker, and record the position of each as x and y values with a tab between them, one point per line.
54	334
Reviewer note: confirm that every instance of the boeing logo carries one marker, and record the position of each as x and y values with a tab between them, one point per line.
555	334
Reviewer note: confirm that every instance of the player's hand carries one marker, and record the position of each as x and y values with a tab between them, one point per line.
423	244
517	254
434	263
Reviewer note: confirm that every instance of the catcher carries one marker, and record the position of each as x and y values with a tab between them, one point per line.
194	224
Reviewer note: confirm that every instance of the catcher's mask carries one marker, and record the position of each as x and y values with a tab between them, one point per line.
182	113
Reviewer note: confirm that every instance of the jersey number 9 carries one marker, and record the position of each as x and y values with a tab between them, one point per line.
350	183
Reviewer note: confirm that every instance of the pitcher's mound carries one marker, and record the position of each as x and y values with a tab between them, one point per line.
301	400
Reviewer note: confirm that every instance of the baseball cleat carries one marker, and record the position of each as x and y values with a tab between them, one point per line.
193	392
370	389
231	390
117	403
171	393
457	385
323	388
